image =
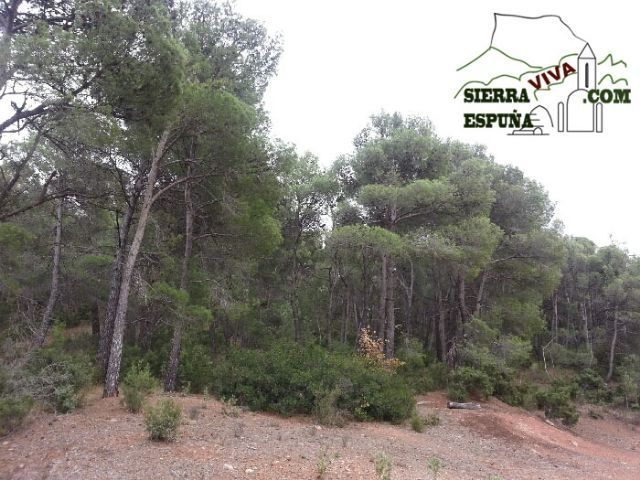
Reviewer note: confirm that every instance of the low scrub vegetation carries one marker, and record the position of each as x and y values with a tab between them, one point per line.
293	379
162	420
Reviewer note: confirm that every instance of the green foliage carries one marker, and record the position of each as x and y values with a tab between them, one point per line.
13	408
434	465
162	420
629	374
289	379
466	382
417	423
561	356
14	237
557	402
138	383
592	387
326	408
12	412
421	373
58	376
196	367
383	466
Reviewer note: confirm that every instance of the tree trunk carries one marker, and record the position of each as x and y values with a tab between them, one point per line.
483	281
612	349
106	332
462	300
382	312
463	406
442	327
390	332
171	375
115	356
585	320
47	317
554	327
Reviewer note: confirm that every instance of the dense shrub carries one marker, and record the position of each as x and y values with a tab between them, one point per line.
196	368
291	379
58	374
592	387
557	402
137	384
465	382
421	373
629	377
558	355
162	421
326	408
12	412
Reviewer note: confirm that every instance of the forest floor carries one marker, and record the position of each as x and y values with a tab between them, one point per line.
102	440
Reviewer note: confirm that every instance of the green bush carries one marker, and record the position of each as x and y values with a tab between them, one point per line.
557	402
12	412
417	423
58	374
137	384
326	409
465	382
293	379
593	388
422	375
163	420
196	367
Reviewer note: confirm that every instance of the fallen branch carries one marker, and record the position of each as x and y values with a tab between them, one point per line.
463	406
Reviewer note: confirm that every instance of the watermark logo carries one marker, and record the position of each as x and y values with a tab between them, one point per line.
538	77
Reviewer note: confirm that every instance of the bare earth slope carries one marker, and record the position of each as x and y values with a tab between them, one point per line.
103	441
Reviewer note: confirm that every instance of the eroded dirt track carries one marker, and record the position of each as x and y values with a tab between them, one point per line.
103	441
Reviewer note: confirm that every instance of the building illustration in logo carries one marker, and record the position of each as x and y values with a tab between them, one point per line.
538	77
579	114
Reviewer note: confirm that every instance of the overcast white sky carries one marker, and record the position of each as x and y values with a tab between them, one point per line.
344	60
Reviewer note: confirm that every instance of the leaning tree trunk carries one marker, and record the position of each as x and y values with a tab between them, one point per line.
612	349
171	375
115	354
47	317
106	331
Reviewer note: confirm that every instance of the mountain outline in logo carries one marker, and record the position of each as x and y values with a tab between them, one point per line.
559	71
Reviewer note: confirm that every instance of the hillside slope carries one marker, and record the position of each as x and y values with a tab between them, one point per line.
103	441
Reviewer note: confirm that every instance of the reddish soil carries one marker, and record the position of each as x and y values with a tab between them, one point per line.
103	441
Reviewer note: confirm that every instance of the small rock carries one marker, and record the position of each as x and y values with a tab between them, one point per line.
5	443
228	466
249	470
21	465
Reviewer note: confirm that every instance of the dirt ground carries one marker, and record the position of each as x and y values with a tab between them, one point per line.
102	441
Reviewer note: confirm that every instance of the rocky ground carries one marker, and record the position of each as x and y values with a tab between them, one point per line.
103	441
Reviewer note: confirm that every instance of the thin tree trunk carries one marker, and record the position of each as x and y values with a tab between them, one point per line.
390	334
174	356
106	332
462	300
612	349
115	356
47	317
442	329
382	312
483	280
585	320
554	327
